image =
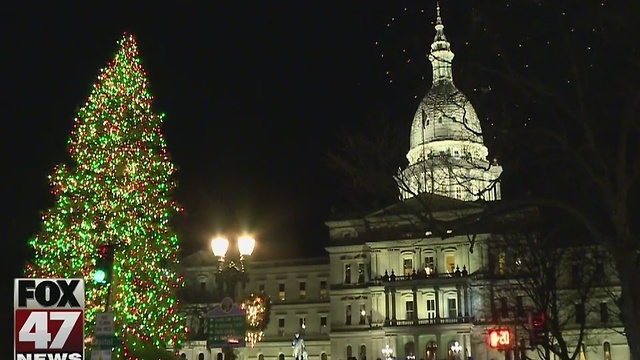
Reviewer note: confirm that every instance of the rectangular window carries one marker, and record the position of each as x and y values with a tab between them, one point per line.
431	308
520	306
409	309
599	270
450	262
408	266
303	290
360	273
281	327
580	314
504	307
429	265
260	287
502	263
604	312
323	289
323	325
452	308
576	274
363	314
302	323
281	293
347	273
347	315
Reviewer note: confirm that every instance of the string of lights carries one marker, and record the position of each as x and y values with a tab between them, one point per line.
118	190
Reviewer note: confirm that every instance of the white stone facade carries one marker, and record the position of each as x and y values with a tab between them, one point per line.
385	284
421	296
299	291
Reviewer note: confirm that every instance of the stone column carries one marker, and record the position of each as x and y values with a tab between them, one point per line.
386	305
415	306
467	341
468	296
467	303
437	297
374	264
393	305
459	293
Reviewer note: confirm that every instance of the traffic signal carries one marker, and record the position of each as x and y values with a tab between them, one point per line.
537	329
499	338
104	265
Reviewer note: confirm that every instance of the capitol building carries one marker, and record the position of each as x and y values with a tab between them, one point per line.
390	289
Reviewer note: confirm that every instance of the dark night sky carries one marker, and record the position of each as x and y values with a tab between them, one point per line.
254	94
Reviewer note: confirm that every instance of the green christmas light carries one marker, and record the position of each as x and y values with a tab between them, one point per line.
118	190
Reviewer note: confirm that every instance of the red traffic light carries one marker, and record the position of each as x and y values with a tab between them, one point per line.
105	251
499	338
538	320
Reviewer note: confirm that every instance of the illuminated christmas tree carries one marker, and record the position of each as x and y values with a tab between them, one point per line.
117	192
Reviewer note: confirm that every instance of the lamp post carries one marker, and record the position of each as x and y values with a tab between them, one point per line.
456	349
228	276
366	317
387	352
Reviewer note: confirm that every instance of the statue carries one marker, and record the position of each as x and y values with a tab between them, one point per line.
299	352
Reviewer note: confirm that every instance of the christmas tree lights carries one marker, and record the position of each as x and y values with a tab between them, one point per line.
118	192
257	308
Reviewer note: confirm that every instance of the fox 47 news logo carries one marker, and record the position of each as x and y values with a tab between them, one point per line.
49	319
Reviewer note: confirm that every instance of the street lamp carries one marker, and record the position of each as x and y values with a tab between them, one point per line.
230	275
365	319
387	352
455	349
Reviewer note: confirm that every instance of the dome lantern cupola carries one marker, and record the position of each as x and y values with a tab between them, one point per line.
447	155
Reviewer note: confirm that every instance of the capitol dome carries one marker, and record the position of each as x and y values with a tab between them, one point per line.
445	114
447	155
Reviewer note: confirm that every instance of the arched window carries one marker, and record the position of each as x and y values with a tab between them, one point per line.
183	356
219	356
281	357
432	350
260	357
201	356
363	352
349	352
607	350
323	356
410	351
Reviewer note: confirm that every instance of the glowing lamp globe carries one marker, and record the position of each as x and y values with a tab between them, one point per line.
219	246
246	244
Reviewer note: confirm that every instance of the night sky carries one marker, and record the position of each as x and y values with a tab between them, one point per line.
254	95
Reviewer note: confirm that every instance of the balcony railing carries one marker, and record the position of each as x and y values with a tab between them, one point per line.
431	321
423	275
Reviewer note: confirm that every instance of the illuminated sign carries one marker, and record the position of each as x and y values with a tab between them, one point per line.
49	319
499	338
